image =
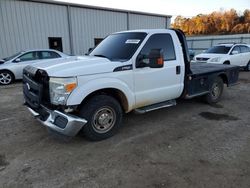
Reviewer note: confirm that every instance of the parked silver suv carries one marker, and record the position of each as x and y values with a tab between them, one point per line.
11	68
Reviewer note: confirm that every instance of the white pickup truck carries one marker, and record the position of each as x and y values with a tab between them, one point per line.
139	70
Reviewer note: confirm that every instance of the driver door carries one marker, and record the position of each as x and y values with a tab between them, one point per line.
154	85
245	55
236	56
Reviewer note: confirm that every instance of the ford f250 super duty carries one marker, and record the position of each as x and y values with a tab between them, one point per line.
141	70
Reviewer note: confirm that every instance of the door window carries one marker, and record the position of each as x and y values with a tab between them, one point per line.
236	48
160	41
244	49
49	55
30	56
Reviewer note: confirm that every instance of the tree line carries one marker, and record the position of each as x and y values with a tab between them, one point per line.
218	22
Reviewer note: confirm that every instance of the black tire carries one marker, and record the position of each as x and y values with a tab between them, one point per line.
247	68
216	90
226	63
104	116
6	77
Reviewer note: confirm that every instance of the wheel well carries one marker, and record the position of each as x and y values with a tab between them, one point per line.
227	63
116	93
6	70
224	78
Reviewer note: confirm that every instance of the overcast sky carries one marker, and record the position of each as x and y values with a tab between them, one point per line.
185	8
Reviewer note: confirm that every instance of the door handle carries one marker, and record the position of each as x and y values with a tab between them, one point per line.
178	69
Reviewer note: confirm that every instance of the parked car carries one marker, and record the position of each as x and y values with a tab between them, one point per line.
11	68
141	70
233	54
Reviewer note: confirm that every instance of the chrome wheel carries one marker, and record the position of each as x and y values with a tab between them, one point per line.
104	119
5	78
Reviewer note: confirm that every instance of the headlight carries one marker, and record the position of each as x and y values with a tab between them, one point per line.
215	59
60	89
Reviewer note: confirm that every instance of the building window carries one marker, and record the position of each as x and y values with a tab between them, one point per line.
97	41
55	43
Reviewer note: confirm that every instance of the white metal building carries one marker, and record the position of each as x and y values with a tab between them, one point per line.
73	28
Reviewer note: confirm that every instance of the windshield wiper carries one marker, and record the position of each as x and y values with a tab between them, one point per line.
99	55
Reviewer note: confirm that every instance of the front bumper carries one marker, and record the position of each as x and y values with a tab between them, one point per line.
195	61
68	125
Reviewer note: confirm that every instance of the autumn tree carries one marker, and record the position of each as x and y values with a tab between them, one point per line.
218	22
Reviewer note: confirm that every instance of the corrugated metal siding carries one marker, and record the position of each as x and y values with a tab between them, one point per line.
27	25
88	24
137	21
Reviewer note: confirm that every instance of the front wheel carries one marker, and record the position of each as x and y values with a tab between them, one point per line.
215	92
247	68
6	78
104	116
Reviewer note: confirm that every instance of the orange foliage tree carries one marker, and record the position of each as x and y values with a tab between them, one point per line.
218	22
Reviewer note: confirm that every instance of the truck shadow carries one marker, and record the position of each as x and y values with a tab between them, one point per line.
217	116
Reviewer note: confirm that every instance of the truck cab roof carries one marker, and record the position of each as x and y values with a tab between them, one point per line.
149	31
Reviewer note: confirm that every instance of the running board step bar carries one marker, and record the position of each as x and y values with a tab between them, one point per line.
157	106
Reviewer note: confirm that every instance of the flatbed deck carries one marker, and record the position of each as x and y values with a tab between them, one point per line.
207	68
202	76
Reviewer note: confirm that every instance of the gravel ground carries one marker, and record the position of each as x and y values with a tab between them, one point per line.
189	145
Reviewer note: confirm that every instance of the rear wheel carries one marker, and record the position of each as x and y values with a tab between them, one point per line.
6	77
215	92
226	63
104	116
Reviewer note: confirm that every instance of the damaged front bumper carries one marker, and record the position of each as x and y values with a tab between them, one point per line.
66	124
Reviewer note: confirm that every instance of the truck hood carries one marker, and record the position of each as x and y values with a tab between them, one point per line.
76	66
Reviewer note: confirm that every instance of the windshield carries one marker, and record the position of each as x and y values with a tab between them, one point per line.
11	57
219	49
120	46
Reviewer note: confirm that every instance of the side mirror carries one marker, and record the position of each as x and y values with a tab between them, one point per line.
235	52
156	59
153	60
142	61
17	60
